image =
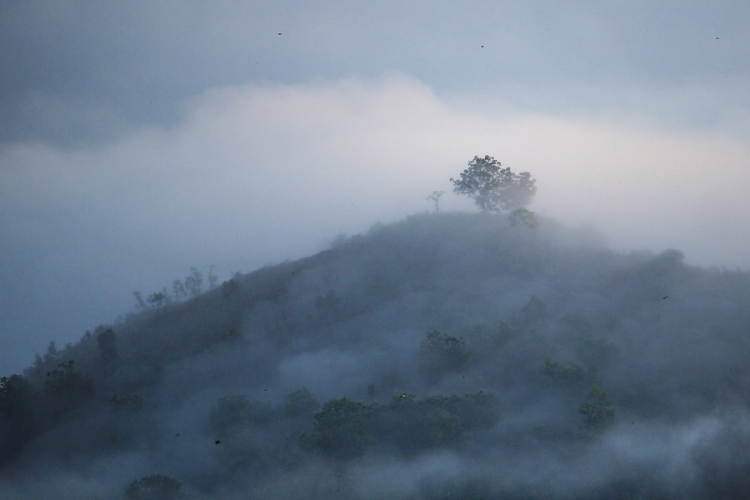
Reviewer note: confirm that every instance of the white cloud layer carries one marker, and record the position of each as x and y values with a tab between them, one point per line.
258	174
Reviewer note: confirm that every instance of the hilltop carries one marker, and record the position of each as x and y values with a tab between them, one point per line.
448	355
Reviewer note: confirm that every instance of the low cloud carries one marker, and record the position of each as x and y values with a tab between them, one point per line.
257	174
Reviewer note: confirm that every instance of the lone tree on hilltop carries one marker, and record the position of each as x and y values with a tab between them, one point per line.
493	188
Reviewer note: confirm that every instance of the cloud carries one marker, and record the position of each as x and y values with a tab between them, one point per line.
261	173
79	74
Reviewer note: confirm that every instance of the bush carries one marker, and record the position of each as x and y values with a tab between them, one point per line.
232	413
17	422
154	487
597	412
65	389
441	353
570	376
341	429
300	403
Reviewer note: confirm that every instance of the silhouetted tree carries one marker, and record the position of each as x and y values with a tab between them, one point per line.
106	344
493	188
65	388
194	282
435	198
139	302
159	299
178	290
231	287
212	278
17	422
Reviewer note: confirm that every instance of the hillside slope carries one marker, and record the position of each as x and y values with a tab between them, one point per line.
445	356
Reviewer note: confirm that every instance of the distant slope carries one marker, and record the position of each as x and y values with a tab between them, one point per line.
571	367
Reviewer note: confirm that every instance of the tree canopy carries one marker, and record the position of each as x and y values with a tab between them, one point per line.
494	188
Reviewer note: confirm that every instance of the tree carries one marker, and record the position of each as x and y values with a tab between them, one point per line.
17	422
65	389
194	282
159	299
493	188
179	291
106	344
231	414
154	487
212	278
435	198
440	352
300	403
597	412
522	217
341	429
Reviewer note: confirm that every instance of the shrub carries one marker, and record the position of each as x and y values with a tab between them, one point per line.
300	403
154	487
597	412
440	353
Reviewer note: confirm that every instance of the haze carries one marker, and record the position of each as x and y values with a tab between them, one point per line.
138	141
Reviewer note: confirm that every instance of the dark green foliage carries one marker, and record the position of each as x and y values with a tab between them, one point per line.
300	403
129	403
676	364
65	389
522	217
440	353
66	380
16	395
570	375
597	411
158	299
17	421
230	288
478	410
341	429
154	487
233	413
106	344
411	425
346	429
595	353
493	188
328	305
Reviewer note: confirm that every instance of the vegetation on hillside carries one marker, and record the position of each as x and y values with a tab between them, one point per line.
449	355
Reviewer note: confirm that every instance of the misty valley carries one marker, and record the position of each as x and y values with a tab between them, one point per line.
448	355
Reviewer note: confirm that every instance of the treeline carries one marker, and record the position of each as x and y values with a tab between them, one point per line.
188	288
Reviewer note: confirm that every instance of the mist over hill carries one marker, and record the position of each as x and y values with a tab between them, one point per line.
449	355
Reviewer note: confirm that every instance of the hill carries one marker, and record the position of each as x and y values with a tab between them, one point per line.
445	356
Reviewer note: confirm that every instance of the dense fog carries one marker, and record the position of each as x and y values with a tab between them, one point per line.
449	355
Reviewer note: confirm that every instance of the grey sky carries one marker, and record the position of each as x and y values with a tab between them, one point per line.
139	139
